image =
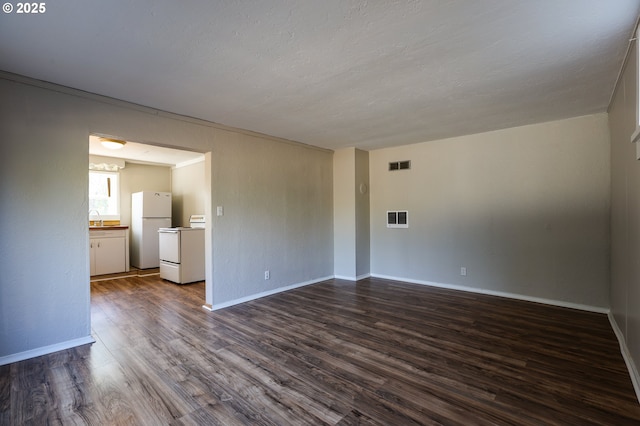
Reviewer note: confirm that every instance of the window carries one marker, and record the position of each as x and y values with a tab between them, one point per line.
104	194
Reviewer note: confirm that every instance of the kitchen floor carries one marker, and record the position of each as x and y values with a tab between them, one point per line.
133	272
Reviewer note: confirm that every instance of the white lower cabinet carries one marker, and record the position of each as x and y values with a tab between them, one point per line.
109	250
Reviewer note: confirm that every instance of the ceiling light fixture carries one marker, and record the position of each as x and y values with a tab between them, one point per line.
112	143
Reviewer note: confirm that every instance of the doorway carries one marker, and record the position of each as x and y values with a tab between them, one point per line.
147	167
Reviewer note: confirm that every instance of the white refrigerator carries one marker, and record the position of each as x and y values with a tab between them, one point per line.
150	211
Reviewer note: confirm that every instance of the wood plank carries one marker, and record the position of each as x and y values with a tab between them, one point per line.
375	352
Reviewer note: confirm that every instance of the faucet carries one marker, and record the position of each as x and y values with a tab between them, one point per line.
100	221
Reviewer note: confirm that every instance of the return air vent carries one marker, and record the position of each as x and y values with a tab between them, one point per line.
399	165
398	219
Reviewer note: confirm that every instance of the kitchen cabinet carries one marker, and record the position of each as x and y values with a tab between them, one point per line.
109	250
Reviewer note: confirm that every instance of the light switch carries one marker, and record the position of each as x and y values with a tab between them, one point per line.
219	211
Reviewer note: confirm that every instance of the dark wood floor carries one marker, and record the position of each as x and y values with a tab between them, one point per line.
133	272
375	352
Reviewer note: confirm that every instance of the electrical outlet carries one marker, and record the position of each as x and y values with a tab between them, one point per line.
267	275
463	271
220	211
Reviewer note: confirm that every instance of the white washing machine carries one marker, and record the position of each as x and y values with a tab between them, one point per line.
182	252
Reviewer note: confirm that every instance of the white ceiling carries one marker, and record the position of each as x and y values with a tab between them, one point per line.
147	154
334	73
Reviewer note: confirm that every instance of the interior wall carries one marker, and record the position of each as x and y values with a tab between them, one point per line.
625	213
362	214
141	177
277	197
189	192
524	210
351	249
344	213
277	203
44	255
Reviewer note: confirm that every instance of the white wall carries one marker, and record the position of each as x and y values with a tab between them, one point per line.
351	213
189	192
186	184
141	177
362	213
525	210
44	252
625	215
277	197
344	213
278	206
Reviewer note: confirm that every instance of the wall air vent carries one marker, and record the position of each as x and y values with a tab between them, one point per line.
398	219
399	165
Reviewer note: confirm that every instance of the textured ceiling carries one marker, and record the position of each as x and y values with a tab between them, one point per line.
334	74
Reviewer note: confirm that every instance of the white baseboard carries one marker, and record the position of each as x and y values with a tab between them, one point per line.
45	350
217	306
626	355
358	278
628	359
633	372
552	302
516	296
344	277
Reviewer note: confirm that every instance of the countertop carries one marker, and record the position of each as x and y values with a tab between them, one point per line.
107	227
